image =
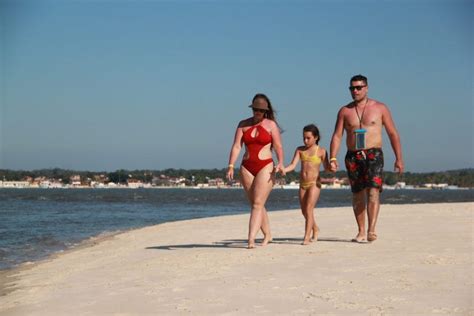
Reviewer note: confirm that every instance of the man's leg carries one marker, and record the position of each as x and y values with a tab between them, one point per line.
373	207
358	204
375	181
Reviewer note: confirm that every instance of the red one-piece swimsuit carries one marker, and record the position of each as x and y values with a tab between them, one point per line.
254	144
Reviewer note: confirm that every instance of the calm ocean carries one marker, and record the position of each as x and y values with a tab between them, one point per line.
37	222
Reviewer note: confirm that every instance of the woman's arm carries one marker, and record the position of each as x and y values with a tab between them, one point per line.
277	146
234	152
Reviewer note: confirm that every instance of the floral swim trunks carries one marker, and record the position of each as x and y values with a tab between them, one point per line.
365	169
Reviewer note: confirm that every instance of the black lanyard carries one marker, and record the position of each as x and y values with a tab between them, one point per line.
363	111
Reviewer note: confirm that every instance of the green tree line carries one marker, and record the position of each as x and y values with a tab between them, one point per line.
461	177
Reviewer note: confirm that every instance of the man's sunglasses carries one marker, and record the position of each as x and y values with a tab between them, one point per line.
259	110
358	88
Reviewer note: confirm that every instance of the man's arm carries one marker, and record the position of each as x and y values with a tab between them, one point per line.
394	139
336	141
325	159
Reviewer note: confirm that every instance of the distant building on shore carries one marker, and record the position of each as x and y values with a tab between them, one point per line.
134	184
14	184
334	182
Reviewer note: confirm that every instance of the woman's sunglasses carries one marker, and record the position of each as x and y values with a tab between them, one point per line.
259	110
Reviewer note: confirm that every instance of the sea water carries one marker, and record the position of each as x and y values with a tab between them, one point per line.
37	222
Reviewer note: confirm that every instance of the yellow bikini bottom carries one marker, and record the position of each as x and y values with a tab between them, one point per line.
308	184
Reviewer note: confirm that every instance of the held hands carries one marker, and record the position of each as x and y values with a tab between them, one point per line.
280	168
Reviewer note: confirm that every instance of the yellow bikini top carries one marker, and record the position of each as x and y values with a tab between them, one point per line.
314	159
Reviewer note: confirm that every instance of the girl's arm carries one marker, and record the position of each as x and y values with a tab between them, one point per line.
326	164
234	152
294	162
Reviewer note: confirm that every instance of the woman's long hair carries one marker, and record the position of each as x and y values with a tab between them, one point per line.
271	113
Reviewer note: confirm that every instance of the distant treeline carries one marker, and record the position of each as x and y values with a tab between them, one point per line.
461	177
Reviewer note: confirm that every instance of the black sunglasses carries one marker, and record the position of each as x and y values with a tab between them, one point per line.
358	88
259	110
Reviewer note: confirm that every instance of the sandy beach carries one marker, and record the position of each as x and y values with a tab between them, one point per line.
420	265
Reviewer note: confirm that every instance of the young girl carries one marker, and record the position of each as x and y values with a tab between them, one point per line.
311	156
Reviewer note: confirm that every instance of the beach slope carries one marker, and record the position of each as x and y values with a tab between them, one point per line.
421	264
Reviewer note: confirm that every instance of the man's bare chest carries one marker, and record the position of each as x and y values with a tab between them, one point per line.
367	119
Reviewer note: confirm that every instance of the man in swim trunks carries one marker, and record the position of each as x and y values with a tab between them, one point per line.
363	119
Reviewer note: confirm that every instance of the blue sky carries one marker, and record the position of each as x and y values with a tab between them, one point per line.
103	85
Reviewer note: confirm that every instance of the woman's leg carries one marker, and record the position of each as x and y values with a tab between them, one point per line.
259	190
267	235
247	181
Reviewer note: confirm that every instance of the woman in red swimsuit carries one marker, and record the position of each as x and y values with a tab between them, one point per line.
260	134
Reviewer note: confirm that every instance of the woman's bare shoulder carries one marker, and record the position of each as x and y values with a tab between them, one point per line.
269	124
245	123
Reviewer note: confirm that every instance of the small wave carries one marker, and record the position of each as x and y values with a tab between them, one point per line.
46	240
98	238
3	254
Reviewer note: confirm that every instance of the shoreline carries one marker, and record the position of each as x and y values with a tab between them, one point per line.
94	239
9	274
180	264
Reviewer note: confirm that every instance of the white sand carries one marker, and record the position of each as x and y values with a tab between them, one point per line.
421	264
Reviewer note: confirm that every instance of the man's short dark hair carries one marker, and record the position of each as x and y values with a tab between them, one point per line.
359	78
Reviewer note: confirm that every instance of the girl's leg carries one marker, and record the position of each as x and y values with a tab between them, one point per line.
303	195
312	201
259	190
309	207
